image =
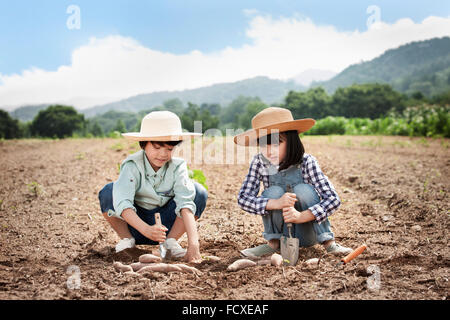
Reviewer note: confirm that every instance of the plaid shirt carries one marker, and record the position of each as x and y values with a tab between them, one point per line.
249	201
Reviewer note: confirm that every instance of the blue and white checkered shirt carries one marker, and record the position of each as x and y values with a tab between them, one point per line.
249	200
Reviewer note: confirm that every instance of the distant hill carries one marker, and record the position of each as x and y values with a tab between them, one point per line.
268	90
418	66
306	77
27	113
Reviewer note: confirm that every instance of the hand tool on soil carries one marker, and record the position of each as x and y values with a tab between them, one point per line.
289	246
352	255
162	250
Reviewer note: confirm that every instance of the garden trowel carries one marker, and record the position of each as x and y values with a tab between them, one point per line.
162	251
289	245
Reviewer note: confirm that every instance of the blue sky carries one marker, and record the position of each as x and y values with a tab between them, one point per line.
129	47
34	33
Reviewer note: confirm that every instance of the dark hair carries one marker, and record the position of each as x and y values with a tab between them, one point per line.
142	144
294	147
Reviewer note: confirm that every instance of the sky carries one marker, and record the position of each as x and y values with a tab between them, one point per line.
87	53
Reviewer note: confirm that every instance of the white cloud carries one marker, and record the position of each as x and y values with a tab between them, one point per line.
117	67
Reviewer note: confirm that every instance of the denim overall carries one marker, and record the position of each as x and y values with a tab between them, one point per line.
308	233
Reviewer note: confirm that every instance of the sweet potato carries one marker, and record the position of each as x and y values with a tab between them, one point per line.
160	267
211	258
139	265
312	263
241	264
188	269
132	273
149	258
120	267
276	260
263	262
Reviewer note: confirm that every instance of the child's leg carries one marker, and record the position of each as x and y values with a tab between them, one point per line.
311	232
106	203
201	196
273	222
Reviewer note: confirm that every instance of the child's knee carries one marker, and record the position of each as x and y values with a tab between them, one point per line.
201	197
273	192
306	194
105	197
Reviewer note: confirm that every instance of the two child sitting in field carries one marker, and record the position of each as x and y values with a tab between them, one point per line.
152	181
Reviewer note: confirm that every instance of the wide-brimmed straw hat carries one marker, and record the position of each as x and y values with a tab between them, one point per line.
160	126
272	120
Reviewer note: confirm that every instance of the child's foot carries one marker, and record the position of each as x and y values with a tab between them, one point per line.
336	248
258	251
274	244
174	250
125	243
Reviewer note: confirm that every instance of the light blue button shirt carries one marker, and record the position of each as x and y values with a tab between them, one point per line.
139	184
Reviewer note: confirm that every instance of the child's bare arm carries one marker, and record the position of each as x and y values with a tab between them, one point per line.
193	250
154	232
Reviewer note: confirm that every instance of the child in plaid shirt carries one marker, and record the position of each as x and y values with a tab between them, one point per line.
282	163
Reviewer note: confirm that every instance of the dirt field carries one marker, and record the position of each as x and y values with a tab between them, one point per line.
55	243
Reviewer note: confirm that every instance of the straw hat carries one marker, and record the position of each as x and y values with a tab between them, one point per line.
160	126
272	120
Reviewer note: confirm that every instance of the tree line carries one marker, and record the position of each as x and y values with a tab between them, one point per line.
366	101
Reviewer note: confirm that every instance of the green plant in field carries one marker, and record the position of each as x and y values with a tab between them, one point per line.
35	188
423	141
198	176
117	147
115	135
1	204
425	186
134	148
348	143
80	156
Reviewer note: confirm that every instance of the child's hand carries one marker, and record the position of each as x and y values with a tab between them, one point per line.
193	253
156	233
291	215
287	200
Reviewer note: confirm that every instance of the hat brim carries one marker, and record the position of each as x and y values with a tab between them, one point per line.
137	136
250	137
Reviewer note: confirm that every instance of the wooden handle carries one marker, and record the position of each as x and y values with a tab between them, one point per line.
352	255
158	219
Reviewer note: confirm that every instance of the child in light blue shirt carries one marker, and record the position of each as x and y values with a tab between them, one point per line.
151	181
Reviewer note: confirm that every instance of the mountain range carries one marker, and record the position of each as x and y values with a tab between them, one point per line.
417	66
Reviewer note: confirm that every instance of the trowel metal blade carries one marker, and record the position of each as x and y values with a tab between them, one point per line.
289	250
162	251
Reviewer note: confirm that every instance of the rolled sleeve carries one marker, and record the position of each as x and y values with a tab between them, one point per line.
184	190
124	189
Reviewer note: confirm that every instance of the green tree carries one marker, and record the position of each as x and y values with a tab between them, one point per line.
244	121
366	101
314	103
120	126
193	113
175	105
230	114
443	98
96	130
9	127
213	108
57	121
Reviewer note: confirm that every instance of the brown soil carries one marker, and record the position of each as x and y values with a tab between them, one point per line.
390	187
